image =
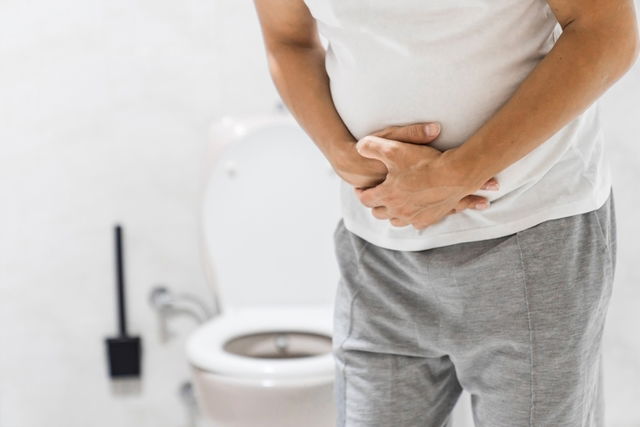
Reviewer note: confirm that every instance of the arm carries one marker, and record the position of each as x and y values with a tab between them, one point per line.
296	63
598	45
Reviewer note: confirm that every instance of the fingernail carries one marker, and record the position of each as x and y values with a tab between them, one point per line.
492	186
432	129
482	205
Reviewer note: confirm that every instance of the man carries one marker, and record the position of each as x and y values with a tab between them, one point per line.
426	109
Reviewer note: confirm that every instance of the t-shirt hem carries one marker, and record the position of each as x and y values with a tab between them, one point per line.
483	233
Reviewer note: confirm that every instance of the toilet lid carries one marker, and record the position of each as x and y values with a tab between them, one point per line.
205	347
270	206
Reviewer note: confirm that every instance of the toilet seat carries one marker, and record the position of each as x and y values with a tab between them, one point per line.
205	346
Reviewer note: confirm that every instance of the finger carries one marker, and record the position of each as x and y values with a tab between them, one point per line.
397	222
474	202
418	133
420	225
385	150
373	196
468	202
491	184
381	212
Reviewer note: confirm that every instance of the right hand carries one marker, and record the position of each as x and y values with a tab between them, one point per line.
363	172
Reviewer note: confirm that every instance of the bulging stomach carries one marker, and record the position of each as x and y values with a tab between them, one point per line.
461	98
458	76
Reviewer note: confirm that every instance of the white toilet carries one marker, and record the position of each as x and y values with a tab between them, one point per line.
270	206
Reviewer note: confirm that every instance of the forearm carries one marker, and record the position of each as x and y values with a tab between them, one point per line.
300	77
585	61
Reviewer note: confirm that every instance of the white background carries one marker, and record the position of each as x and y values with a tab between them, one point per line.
104	113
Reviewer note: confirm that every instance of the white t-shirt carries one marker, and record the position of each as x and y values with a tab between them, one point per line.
457	62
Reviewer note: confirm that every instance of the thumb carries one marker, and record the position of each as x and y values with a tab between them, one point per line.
375	147
417	133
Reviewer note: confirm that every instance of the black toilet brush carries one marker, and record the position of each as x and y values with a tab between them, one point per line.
124	351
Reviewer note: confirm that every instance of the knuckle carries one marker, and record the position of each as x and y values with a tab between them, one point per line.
396	222
367	202
386	150
389	149
402	212
366	140
363	199
388	200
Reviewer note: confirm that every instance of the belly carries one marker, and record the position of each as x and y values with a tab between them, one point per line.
427	69
461	101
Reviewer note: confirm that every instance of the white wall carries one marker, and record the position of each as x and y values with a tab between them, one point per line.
104	111
621	116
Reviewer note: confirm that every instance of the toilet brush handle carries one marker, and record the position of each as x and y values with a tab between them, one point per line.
122	315
124	351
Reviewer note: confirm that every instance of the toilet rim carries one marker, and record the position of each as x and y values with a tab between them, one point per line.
205	346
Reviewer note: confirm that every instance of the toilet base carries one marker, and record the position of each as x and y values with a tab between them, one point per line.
238	402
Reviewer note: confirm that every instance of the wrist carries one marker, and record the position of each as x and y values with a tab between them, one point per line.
341	155
463	172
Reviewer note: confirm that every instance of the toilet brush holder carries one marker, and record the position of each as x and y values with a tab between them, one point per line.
123	351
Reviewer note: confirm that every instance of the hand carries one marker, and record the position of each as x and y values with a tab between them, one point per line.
421	186
361	171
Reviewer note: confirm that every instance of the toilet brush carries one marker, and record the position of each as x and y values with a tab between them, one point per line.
124	351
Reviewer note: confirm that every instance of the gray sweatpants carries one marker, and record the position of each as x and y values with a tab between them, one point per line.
516	321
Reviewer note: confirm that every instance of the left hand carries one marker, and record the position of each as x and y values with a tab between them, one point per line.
421	187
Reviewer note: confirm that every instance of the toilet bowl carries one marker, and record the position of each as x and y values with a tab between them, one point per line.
266	358
261	368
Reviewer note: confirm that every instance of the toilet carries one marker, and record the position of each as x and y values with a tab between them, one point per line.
270	204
